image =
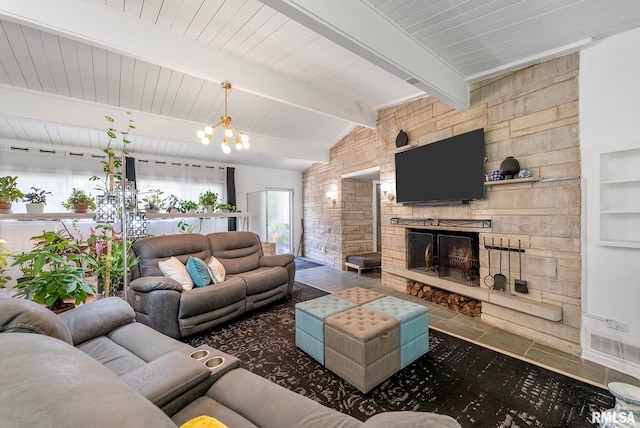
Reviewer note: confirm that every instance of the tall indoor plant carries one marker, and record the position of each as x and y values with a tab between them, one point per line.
57	267
110	263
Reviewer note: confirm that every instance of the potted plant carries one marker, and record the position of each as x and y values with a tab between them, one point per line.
36	200
9	193
172	203
187	206
79	201
153	203
226	208
113	263
4	256
208	200
56	269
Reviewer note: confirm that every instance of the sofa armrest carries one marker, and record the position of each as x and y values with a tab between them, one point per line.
279	260
97	318
146	284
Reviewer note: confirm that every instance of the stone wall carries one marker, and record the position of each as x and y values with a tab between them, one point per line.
531	114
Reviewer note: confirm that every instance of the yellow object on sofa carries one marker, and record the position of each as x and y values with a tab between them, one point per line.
203	422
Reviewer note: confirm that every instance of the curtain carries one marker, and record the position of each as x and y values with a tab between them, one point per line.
231	194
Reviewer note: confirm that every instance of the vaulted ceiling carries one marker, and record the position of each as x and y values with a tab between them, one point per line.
304	72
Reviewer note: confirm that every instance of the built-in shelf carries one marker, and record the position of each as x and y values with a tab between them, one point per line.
619	205
245	217
512	181
439	222
500	298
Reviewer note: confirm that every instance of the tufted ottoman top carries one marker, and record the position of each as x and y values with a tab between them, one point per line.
358	295
397	308
362	323
324	306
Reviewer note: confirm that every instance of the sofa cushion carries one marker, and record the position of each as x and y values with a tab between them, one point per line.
199	272
97	318
264	279
216	269
174	269
157	248
237	251
25	316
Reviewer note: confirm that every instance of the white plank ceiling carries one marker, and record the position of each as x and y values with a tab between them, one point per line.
304	72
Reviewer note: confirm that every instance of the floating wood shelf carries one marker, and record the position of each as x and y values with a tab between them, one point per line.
512	181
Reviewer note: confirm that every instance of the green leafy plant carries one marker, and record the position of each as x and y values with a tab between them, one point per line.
208	199
98	242
172	202
36	196
153	201
9	191
185	227
79	196
112	135
226	207
55	270
186	205
4	262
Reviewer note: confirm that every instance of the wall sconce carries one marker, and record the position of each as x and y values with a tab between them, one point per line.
387	191
332	197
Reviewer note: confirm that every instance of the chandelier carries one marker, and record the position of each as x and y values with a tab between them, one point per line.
230	132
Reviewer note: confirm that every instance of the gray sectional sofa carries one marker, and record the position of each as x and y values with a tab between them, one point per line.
253	280
94	366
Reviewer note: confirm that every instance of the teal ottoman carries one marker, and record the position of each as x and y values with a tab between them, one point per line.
310	316
414	326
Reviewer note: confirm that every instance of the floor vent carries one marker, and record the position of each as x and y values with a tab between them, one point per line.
615	348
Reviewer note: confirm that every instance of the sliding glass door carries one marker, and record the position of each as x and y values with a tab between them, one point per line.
271	217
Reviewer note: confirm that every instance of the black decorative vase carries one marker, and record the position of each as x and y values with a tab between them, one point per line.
509	167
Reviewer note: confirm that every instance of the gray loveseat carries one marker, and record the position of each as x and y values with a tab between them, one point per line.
253	280
94	366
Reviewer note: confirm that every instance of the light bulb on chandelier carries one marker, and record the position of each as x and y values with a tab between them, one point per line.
241	139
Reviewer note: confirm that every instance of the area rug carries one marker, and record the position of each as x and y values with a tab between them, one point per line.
302	264
475	385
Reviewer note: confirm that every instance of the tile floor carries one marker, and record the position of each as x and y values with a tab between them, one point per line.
471	329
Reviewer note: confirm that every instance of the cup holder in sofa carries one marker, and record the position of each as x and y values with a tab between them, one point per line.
199	354
214	362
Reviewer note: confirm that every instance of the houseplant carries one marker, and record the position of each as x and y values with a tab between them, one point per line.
9	193
153	202
79	201
113	261
55	271
172	202
226	208
208	200
4	256
186	206
36	200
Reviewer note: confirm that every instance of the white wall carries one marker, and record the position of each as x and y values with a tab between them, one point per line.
609	119
253	179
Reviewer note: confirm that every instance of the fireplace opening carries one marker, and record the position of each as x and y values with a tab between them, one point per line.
453	255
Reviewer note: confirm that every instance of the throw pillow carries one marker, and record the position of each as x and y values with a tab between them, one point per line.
203	422
198	271
174	269
216	269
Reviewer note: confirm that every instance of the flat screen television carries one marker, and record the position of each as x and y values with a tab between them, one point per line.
449	171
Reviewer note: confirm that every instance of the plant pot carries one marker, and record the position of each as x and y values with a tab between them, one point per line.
152	210
209	208
80	208
64	307
5	207
35	208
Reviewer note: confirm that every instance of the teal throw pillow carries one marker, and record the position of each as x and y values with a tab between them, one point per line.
198	271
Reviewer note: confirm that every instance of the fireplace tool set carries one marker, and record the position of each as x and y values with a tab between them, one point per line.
499	281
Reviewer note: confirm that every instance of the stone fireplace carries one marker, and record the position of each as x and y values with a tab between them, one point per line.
449	254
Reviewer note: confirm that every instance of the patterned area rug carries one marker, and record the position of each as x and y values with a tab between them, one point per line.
477	386
302	264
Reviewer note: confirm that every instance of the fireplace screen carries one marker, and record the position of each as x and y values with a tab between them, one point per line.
454	255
